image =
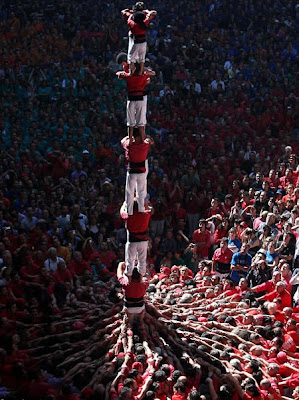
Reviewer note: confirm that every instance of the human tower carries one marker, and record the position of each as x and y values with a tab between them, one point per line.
135	209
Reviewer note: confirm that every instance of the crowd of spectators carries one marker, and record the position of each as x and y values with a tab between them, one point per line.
221	314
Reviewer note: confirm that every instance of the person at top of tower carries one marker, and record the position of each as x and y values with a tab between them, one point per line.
138	19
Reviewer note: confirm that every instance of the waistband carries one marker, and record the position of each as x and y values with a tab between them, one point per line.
135	171
134	304
139	39
135	237
135	97
133	164
134	299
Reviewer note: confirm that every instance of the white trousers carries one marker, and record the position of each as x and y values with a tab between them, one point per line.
138	183
136	112
133	250
136	51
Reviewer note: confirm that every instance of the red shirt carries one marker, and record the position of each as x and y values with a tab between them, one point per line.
223	256
79	268
293	380
178	397
219	234
17	287
63	276
135	28
135	290
268	287
137	224
135	85
199	237
286	298
107	258
289	343
136	152
248	397
38	390
29	270
294	335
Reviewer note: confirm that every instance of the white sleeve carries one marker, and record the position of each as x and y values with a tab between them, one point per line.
295	279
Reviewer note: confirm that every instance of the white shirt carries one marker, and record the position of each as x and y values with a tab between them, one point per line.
50	265
215	83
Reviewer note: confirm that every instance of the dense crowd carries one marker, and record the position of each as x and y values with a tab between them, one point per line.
222	296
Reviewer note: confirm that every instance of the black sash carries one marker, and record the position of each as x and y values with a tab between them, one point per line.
133	164
139	38
133	237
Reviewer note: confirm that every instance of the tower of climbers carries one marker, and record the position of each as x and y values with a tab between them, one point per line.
135	210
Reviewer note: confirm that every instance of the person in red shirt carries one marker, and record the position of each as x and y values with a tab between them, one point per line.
291	328
136	152
133	292
29	270
59	165
288	178
222	259
138	20
221	231
107	256
179	391
38	388
78	266
137	100
202	238
63	275
137	243
268	286
290	194
185	274
253	393
280	292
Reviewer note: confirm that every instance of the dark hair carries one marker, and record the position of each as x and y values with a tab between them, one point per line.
136	275
121	57
141	358
138	18
133	373
253	389
194	395
224	240
124	391
129	382
139	6
225	393
277	332
166	368
230	320
176	374
180	386
255	365
160	376
150	395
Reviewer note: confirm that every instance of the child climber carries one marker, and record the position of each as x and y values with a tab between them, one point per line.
138	19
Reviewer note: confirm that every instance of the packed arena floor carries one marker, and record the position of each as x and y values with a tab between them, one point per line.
211	311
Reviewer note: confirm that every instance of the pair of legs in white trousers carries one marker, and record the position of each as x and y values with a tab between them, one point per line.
138	183
136	112
133	250
136	51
